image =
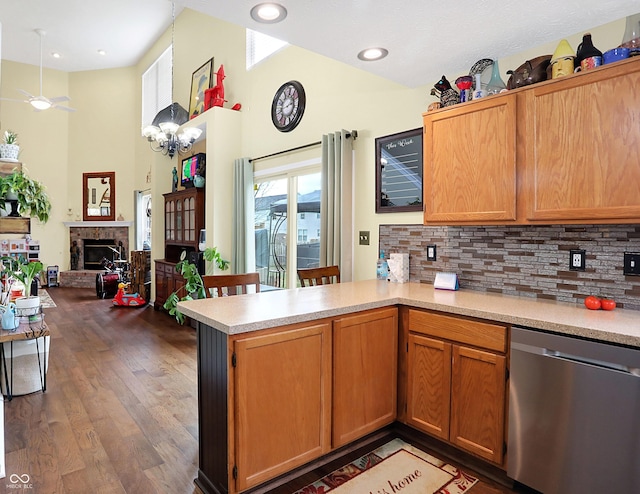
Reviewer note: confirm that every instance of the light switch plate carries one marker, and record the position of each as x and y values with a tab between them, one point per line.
632	263
364	238
431	252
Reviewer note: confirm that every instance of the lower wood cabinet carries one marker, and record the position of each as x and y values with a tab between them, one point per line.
456	381
167	281
365	363
282	401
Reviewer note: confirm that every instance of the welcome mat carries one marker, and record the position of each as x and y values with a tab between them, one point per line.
394	468
45	299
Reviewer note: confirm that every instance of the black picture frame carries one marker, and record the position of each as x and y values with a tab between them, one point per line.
399	172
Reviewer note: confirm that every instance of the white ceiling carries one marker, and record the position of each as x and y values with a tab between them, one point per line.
423	37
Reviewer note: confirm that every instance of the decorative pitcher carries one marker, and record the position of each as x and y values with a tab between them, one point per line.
9	320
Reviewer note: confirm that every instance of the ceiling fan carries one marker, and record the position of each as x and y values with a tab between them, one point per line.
41	103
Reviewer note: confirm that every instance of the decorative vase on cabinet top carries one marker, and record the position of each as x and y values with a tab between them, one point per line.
496	84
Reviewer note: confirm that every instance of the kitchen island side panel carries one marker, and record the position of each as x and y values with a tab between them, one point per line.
213	391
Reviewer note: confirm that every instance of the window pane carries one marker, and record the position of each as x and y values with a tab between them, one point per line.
308	248
271	232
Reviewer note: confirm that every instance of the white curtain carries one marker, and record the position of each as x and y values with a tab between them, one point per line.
336	204
243	258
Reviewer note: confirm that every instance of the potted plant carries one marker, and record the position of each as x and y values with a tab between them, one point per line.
193	287
9	149
25	271
31	196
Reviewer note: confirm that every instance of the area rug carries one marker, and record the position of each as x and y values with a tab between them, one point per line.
45	299
396	467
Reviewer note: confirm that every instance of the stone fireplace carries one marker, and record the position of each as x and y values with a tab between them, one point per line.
93	239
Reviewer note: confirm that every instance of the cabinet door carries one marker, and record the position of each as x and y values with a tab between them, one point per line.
582	141
478	402
470	162
429	385
169	221
282	402
161	285
365	356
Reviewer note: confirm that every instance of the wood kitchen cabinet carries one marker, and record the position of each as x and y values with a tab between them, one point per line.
582	142
456	381
560	151
470	162
365	356
281	402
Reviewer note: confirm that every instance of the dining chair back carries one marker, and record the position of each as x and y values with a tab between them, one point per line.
319	276
224	285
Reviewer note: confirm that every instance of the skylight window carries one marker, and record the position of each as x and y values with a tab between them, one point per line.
260	46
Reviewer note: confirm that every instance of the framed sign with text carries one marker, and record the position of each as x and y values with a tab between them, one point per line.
399	172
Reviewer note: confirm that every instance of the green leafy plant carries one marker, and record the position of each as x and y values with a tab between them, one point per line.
10	137
22	270
31	195
194	286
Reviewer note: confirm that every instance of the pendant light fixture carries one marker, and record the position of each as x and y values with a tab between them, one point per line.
163	134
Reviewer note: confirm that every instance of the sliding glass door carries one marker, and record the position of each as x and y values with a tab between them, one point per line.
287	203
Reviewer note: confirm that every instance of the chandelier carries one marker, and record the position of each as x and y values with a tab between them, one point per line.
163	134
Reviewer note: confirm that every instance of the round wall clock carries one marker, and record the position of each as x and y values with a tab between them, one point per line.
288	106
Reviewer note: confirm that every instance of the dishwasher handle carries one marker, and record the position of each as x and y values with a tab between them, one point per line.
568	357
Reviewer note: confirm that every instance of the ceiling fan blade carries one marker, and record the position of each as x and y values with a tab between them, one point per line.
28	95
13	99
59	99
64	108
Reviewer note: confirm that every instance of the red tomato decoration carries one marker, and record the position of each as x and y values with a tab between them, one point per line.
608	304
592	302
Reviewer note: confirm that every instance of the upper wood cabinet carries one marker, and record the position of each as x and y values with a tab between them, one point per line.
583	146
561	151
470	162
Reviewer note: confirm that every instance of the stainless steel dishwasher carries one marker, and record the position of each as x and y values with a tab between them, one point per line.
574	415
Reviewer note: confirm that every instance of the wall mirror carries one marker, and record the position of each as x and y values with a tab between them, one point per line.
99	196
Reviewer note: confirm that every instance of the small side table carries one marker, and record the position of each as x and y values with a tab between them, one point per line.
25	331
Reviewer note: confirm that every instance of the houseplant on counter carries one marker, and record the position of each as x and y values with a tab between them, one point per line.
25	271
30	195
9	149
193	287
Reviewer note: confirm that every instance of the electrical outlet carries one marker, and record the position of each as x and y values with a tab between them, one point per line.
632	263
577	260
364	238
431	252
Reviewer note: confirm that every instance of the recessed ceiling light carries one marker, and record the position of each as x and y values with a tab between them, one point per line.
371	54
268	13
102	52
55	55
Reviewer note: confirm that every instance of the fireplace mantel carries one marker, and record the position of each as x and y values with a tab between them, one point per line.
96	224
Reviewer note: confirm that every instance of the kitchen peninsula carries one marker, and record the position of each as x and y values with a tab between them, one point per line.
276	371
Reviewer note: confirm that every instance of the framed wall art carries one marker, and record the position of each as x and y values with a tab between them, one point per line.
200	81
399	172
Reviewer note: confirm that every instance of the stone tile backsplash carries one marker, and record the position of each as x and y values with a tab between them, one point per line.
530	261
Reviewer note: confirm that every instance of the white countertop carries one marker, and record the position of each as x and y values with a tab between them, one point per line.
252	312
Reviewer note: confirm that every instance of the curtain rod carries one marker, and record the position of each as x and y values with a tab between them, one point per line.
353	133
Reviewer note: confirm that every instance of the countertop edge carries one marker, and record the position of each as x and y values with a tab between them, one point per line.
254	312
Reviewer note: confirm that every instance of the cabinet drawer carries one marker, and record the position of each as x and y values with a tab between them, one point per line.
492	336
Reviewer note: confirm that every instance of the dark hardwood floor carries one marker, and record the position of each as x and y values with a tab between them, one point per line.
120	411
